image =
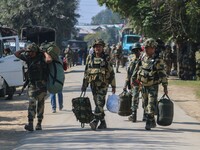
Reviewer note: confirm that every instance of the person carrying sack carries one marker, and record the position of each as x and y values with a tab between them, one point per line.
99	73
36	82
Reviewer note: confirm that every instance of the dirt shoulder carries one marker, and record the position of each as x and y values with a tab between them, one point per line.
13	113
13	116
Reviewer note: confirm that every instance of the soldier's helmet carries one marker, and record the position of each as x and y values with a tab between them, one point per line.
98	42
136	47
150	42
32	47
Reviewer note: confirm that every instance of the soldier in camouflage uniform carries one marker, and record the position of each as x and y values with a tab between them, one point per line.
69	56
36	79
150	74
167	57
118	56
135	89
99	74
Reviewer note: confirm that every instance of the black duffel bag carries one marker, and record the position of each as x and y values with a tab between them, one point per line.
125	101
165	111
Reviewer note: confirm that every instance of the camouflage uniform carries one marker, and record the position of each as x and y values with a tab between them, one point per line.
112	54
197	58
135	89
151	73
99	74
167	57
69	56
118	56
37	90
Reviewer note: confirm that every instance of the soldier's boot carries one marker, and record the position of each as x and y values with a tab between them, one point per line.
133	117
94	123
29	126
39	125
144	118
102	125
150	122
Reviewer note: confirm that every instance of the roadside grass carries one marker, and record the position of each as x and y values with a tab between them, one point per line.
184	83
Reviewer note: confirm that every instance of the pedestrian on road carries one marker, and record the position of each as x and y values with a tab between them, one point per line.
59	94
53	101
118	56
135	89
150	74
99	73
36	81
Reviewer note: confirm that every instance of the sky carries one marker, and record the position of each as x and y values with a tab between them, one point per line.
88	9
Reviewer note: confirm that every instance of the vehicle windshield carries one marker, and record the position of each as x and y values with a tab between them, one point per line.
133	39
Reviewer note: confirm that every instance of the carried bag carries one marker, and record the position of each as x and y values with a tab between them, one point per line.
112	103
165	111
125	101
82	109
56	77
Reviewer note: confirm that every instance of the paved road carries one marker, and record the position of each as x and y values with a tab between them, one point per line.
62	131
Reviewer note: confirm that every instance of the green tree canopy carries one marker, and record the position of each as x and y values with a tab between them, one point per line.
57	14
106	17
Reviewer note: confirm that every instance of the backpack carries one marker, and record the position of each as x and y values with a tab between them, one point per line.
56	77
82	109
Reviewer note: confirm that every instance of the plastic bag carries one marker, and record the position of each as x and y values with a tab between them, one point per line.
113	103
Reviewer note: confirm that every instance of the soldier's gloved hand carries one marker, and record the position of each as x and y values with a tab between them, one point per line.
113	90
124	89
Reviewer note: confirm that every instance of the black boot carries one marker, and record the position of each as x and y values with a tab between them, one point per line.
150	123
144	118
133	117
39	126
29	126
93	124
102	125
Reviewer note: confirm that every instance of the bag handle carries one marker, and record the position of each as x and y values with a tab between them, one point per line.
166	96
82	94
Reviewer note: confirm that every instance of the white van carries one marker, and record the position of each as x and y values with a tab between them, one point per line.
11	68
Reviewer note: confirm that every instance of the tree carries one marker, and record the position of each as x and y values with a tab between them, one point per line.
57	14
168	19
106	17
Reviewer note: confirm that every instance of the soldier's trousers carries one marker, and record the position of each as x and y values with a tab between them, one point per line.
150	94
117	64
36	103
99	96
135	97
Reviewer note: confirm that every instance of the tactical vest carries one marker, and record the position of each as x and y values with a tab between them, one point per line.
97	69
37	69
147	73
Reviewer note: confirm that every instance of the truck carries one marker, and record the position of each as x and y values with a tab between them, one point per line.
127	42
12	69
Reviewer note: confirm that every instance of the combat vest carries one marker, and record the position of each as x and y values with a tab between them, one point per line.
97	69
148	73
37	69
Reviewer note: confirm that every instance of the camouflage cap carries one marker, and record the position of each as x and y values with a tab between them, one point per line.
32	47
150	42
98	42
